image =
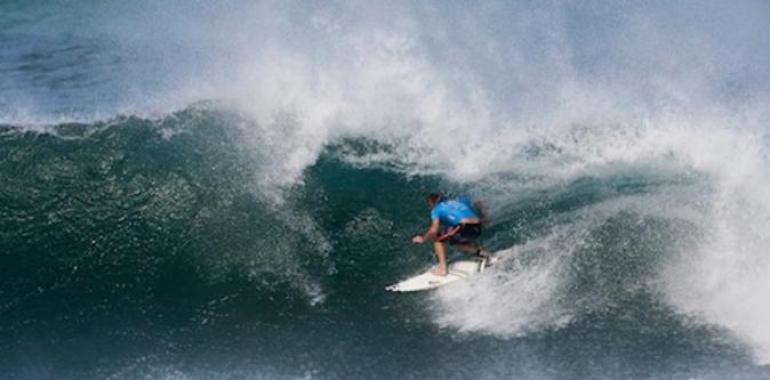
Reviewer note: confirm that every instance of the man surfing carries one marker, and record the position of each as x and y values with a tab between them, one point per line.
456	221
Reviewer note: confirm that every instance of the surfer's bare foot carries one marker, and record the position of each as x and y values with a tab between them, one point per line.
439	271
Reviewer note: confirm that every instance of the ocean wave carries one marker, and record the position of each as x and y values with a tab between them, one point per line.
180	168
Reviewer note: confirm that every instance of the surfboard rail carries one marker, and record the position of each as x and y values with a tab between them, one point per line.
457	270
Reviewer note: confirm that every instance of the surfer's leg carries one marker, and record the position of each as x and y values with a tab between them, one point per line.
473	249
466	239
440	248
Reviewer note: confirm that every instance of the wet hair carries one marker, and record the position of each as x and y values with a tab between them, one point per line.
435	198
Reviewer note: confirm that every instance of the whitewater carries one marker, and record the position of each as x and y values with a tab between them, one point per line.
223	189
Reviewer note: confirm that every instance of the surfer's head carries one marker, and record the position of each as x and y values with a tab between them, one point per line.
434	199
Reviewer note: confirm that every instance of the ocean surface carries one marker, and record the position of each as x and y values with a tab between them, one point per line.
222	190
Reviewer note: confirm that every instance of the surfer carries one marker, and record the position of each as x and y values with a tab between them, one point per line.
456	221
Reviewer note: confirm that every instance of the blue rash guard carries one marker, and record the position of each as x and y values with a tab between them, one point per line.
452	211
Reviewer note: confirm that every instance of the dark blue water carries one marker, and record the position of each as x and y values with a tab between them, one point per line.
184	194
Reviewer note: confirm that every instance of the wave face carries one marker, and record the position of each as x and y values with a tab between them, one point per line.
224	190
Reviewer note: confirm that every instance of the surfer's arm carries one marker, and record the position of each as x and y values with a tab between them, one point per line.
431	234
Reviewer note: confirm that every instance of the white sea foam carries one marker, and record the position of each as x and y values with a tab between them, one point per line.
512	298
724	281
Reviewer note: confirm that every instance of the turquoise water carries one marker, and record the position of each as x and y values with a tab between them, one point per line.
185	194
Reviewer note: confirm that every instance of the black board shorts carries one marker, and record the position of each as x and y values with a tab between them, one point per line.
465	235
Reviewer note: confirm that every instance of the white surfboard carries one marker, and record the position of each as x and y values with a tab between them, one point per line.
458	270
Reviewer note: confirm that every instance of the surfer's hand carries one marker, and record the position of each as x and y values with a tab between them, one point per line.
418	239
